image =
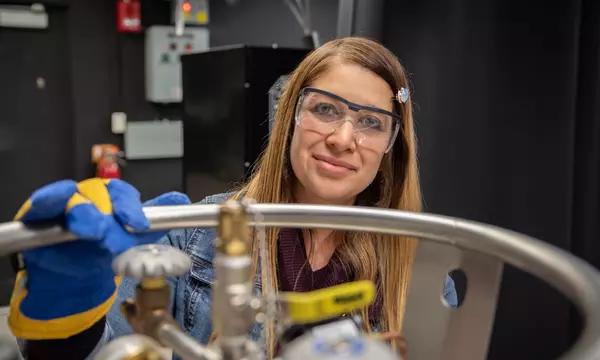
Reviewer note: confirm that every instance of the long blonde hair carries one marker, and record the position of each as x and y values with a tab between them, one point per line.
386	260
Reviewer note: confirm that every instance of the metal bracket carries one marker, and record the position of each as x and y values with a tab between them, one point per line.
432	329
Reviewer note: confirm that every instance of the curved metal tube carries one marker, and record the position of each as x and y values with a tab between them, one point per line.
573	277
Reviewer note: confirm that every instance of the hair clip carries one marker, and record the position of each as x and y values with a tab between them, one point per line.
402	95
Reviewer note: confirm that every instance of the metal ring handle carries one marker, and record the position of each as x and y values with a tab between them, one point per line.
573	277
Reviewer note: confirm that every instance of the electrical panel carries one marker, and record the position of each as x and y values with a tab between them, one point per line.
24	17
154	139
163	64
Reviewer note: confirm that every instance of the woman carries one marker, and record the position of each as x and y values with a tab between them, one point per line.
343	135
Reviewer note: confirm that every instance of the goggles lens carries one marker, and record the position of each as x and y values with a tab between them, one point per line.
324	113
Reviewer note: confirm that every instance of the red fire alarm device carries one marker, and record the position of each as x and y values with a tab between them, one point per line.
129	16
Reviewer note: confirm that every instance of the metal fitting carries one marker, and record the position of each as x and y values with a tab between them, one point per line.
233	230
232	292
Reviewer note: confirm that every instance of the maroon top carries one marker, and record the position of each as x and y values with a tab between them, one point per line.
295	273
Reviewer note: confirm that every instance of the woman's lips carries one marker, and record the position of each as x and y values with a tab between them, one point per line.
334	167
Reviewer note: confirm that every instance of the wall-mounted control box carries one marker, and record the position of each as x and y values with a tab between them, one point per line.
163	64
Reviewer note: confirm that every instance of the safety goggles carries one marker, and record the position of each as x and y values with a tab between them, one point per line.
324	112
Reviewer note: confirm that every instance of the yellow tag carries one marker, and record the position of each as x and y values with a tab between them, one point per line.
313	306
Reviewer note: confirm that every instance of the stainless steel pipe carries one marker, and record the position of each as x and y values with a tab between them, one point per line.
573	277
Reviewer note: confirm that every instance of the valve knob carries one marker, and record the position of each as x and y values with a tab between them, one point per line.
152	261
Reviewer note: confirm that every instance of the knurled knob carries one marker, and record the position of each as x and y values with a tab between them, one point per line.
152	261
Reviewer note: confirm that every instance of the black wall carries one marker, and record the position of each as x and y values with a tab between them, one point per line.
506	94
36	123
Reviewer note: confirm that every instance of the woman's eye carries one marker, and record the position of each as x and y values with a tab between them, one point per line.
371	122
325	109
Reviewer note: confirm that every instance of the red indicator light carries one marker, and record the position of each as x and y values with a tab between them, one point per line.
186	7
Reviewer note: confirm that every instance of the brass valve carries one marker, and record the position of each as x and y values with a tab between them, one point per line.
151	264
233	230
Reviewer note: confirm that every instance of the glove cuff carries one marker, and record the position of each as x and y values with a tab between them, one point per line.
41	315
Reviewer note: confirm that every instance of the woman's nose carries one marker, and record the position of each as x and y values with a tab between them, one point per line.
342	138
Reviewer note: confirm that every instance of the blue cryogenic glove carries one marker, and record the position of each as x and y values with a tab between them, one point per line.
67	288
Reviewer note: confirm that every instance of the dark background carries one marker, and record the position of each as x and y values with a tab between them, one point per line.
507	113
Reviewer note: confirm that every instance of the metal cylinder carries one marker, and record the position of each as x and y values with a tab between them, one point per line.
232	293
232	290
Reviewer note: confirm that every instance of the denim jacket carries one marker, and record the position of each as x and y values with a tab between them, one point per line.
191	293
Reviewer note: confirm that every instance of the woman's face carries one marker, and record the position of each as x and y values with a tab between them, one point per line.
334	168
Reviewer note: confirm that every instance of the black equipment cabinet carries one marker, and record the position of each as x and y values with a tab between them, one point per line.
226	112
